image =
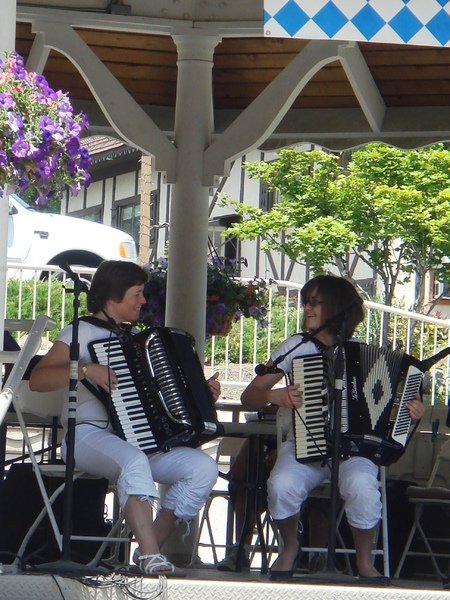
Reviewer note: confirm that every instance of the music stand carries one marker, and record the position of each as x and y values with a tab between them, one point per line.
65	564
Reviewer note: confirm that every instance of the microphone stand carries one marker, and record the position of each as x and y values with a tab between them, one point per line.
336	404
331	574
65	564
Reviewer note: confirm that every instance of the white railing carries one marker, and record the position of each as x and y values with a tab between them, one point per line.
236	356
28	278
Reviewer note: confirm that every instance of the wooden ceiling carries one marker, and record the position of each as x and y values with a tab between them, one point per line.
406	76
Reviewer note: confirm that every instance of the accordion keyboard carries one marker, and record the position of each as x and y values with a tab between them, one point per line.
125	399
309	427
403	420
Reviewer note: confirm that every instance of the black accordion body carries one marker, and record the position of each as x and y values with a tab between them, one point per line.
162	399
375	422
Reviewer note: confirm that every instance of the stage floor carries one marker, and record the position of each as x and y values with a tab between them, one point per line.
206	584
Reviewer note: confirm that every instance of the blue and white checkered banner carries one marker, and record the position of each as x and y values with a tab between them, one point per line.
421	22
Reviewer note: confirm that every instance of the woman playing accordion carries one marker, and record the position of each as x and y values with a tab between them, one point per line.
324	298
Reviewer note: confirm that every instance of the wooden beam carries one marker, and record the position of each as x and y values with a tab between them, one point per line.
363	85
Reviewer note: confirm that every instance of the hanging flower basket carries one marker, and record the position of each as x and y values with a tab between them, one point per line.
221	325
40	149
227	298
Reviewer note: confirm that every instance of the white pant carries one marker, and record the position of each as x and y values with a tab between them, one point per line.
189	473
290	483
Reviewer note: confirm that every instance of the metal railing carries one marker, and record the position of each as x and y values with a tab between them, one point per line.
248	344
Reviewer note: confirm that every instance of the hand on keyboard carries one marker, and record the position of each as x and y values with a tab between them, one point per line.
288	396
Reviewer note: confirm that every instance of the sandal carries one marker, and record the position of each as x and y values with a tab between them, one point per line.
157	565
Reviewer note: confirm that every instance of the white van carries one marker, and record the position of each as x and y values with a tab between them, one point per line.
36	239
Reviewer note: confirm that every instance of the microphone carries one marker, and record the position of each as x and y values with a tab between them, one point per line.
64	265
263	369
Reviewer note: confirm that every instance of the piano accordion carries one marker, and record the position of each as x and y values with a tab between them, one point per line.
375	423
162	399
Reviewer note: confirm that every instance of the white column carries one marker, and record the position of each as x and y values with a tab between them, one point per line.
8	25
186	284
186	278
7	42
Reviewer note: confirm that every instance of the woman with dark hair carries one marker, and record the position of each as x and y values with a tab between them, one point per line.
290	481
116	296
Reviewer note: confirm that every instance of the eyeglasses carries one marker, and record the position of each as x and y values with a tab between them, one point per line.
313	302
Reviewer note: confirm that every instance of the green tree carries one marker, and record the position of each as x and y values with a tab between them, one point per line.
388	207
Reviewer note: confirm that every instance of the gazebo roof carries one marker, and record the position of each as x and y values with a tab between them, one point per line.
338	107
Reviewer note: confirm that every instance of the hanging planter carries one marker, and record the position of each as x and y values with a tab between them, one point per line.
218	323
40	149
227	298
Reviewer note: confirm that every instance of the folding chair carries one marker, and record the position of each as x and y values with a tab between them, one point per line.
342	548
46	407
436	494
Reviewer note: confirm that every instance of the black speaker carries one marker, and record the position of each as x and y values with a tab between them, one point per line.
21	502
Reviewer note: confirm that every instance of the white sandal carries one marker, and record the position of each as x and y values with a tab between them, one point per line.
157	565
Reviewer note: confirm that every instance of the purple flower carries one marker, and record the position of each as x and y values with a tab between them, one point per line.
20	148
19	72
72	166
73	146
85	159
73	128
42	199
23	184
41	82
6	101
18	59
34	152
44	169
15	121
75	188
65	109
3	158
84	120
52	127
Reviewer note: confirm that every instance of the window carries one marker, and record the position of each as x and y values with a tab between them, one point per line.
267	198
95	216
89	214
128	219
438	290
